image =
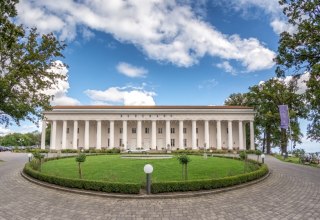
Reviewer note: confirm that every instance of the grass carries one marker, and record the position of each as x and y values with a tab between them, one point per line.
113	168
294	160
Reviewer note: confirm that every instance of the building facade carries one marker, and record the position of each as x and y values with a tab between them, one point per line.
149	127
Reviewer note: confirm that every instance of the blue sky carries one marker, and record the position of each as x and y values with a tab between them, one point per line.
161	52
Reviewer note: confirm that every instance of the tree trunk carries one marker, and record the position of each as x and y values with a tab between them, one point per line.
268	140
182	165
284	140
264	141
186	169
80	173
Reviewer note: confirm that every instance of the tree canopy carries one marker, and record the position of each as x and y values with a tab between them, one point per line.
299	53
27	63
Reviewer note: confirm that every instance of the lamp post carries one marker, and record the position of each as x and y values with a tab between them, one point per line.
262	157
29	156
148	168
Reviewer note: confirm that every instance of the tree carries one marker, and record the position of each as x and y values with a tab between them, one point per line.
299	53
80	159
38	157
27	64
184	160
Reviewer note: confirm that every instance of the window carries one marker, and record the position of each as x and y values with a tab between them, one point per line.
146	130
184	130
134	130
120	142
197	130
185	142
108	130
108	142
159	130
67	130
78	130
172	130
121	131
172	142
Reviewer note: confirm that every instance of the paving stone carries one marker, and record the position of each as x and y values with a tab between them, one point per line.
291	192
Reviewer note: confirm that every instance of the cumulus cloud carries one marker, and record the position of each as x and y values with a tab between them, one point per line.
272	8
4	131
130	70
127	95
60	90
225	65
301	81
165	30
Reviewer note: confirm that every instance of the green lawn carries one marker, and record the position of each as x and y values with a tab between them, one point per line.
113	168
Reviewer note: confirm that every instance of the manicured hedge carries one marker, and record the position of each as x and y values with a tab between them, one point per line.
128	188
195	185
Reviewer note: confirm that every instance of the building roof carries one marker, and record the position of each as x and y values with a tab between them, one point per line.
149	107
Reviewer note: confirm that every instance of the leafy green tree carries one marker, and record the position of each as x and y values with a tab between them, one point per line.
299	53
38	157
81	158
184	160
27	61
18	139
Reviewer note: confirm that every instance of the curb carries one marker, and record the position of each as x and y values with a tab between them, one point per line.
145	196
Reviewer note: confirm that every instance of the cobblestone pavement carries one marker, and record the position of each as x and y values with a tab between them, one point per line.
291	192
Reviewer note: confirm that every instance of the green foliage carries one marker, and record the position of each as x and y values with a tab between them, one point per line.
243	155
195	185
298	53
18	139
298	152
184	160
128	188
81	158
26	59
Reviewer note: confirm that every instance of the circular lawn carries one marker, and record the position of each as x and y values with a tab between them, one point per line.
113	168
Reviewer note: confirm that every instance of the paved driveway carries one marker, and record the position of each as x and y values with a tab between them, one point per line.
291	192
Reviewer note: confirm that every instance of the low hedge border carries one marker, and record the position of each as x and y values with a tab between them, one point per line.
196	185
127	188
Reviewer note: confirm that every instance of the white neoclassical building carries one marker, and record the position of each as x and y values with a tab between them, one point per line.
148	127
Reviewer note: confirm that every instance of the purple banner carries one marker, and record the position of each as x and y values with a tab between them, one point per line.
284	116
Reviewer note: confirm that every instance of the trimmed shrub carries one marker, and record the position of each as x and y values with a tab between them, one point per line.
128	188
195	185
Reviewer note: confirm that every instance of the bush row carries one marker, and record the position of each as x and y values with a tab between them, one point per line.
195	185
128	188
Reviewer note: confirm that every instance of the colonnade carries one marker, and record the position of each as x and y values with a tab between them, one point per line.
124	133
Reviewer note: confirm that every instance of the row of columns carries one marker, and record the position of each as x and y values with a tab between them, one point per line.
139	134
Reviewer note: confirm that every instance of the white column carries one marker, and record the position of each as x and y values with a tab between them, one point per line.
181	134
64	134
252	147
43	135
168	141
98	135
194	134
53	135
154	135
219	135
111	134
75	135
240	136
124	134
230	138
244	136
139	141
206	134
86	135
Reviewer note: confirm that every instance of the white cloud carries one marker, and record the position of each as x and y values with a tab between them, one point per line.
272	8
225	65
130	70
165	30
208	84
60	90
4	131
127	95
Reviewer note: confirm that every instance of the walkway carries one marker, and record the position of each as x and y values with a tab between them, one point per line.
291	192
